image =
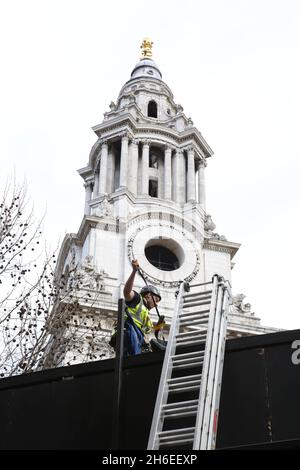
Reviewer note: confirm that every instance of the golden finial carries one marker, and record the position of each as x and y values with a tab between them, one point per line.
146	48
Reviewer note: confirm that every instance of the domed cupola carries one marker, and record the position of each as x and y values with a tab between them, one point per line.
146	67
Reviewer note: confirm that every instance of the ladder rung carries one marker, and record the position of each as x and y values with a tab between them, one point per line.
176	432
201	323
189	383
195	304
206	292
190	333
204	317
188	361
188	366
190	343
194	300
180	404
186	378
199	316
193	313
191	338
180	414
194	322
185	389
177	442
195	354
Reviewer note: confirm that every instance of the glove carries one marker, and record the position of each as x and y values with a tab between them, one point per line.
159	325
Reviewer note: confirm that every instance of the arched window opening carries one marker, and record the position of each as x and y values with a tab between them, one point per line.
152	109
162	258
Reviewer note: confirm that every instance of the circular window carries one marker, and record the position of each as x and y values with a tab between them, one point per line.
164	254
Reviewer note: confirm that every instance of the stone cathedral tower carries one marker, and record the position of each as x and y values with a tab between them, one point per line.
145	199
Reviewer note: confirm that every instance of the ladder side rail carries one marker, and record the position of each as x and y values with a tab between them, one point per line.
213	370
210	374
205	369
212	435
162	394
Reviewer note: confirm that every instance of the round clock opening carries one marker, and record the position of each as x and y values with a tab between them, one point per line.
164	253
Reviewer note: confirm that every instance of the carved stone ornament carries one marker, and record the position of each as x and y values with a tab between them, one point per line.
202	164
105	208
89	278
132	98
238	305
209	228
112	106
125	135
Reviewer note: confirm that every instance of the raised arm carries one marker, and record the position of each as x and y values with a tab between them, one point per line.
128	288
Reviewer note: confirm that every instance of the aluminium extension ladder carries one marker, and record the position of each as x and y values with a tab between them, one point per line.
201	311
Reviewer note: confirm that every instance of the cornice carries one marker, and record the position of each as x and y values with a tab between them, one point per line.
156	81
86	172
107	129
90	221
151	91
222	246
166	216
64	250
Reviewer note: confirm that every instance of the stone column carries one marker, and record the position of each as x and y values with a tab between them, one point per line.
103	168
111	161
168	173
191	175
179	178
88	196
133	164
124	161
145	167
201	183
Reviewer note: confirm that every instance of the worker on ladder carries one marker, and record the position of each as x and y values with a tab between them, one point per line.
137	317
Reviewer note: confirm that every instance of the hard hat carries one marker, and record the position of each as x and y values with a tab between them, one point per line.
152	289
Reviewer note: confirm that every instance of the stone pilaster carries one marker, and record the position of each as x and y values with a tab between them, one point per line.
168	173
88	197
145	167
133	165
201	183
124	161
111	162
191	175
178	189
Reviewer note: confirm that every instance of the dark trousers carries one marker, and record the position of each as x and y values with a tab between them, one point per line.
133	340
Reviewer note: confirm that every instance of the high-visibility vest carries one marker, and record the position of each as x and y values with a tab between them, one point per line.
140	316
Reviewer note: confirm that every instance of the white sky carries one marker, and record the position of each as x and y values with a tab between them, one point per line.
234	67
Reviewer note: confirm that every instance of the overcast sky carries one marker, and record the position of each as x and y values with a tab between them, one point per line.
234	67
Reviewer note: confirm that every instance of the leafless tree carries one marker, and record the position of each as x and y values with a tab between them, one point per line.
42	317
